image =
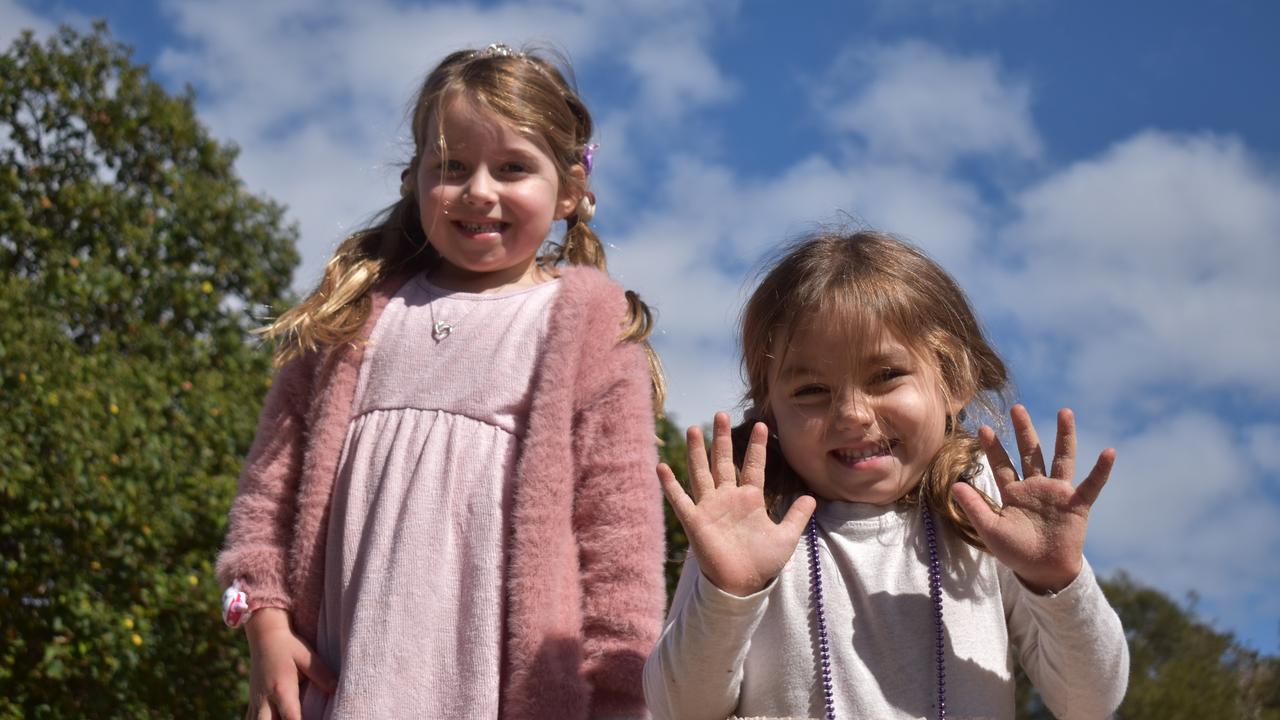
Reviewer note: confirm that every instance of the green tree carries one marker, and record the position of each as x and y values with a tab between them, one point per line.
1180	667
673	451
132	260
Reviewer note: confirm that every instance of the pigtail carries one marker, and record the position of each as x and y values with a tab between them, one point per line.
336	310
957	461
581	246
972	369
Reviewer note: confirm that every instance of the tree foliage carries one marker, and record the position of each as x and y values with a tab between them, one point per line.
1181	667
132	258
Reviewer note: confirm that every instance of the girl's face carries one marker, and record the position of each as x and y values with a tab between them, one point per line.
487	203
860	429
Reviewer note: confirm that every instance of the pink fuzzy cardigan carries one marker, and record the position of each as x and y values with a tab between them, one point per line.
584	582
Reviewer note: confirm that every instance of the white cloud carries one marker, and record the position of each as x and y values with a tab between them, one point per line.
15	17
1185	511
677	73
314	92
1151	265
917	102
948	9
690	255
1262	442
1139	270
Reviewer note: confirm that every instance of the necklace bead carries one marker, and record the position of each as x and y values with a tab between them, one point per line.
820	614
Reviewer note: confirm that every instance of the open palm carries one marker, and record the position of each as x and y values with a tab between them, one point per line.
1039	532
738	545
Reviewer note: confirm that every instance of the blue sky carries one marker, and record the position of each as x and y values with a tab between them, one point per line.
1102	178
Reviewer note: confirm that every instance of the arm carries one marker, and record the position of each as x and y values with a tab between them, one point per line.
261	518
1070	644
1067	636
738	552
256	549
618	523
696	669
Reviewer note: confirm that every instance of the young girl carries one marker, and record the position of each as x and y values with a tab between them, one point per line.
904	593
451	495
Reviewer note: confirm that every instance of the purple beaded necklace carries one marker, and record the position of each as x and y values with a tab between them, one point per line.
935	595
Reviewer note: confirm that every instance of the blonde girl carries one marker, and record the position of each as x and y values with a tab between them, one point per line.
450	508
908	567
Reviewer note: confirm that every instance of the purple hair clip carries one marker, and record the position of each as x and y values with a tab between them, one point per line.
589	156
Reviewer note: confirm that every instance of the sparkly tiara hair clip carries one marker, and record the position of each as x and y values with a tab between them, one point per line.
499	50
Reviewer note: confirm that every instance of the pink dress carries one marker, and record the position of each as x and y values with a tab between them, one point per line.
412	612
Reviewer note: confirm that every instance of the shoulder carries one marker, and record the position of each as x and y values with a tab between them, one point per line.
590	307
586	327
591	287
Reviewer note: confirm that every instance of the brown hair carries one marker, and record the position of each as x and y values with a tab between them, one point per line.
861	281
532	94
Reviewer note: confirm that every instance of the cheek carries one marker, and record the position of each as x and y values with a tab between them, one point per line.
799	432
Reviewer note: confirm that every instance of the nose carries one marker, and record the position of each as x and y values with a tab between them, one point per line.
853	410
480	189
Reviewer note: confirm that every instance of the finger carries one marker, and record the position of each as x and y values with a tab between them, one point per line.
284	696
1028	442
754	459
681	503
722	451
259	708
315	668
700	480
1088	490
798	516
1001	465
976	509
1064	448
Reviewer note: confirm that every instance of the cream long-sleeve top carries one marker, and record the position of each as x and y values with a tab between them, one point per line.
721	655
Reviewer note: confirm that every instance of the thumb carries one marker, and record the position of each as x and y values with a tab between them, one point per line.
798	515
975	507
310	664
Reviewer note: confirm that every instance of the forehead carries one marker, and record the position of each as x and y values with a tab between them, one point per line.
821	347
464	123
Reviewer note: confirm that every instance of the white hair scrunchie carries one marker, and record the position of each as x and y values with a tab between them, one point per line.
586	207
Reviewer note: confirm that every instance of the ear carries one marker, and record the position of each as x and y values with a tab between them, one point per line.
567	203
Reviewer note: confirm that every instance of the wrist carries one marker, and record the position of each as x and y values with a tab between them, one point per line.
265	621
736	589
1052	582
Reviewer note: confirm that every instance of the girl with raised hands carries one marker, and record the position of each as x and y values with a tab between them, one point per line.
856	551
450	509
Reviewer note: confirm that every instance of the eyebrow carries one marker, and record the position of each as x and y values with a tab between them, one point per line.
891	356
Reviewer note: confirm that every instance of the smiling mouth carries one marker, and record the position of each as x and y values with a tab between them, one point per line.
480	228
850	457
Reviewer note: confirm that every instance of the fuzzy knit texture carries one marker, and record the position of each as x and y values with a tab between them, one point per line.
583	582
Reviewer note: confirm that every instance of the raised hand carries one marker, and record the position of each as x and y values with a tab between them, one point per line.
738	546
1039	532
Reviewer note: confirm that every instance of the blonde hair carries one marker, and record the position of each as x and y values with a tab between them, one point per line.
532	94
862	281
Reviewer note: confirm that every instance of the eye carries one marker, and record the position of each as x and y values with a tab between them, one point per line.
452	167
888	374
812	391
515	168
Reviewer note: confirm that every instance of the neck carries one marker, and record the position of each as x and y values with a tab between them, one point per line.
451	277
